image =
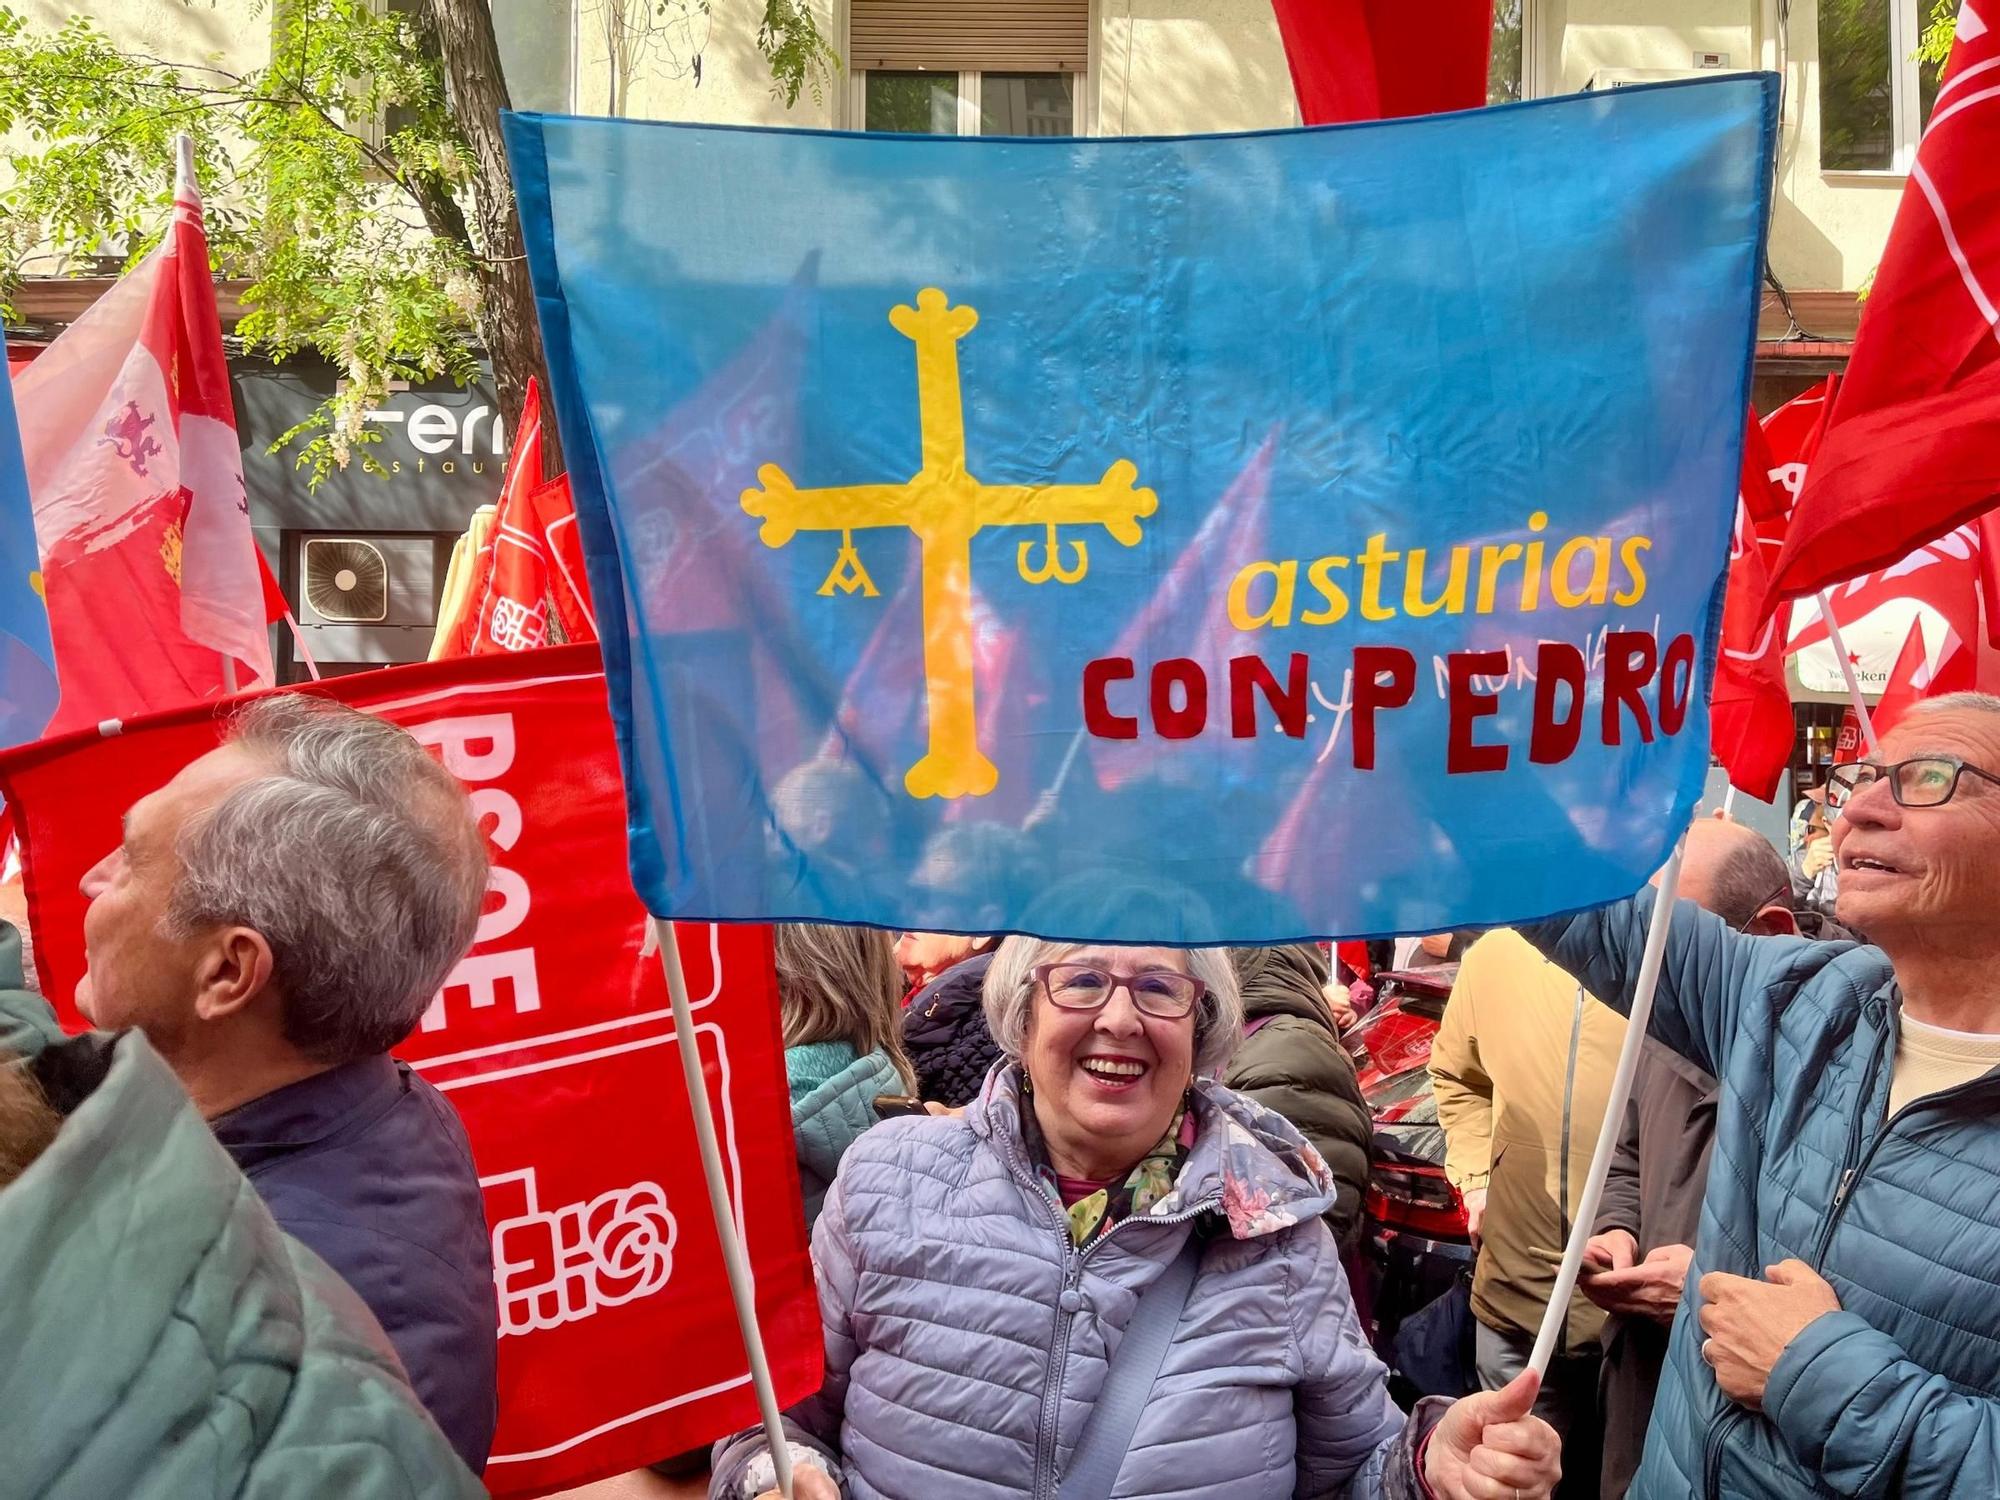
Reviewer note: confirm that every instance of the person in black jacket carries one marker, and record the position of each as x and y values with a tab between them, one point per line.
1291	1061
945	1035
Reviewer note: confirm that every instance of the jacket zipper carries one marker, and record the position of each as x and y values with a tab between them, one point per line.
1711	1458
1854	1165
1073	1262
1858	1158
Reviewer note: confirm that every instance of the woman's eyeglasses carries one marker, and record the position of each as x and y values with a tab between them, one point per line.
1167	994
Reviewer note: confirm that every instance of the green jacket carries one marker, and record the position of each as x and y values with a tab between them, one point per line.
1292	1063
159	1335
833	1101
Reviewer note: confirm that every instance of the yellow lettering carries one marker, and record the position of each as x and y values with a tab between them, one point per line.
1562	577
1452	600
1628	554
1372	562
1492	562
1284	576
1531	580
447	467
1320	576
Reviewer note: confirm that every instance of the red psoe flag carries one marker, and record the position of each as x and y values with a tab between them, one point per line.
507	608
553	512
554	1041
1750	711
1913	449
136	475
1381	59
1914	678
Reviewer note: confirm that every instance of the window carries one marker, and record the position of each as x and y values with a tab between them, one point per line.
969	103
968	67
1504	76
1026	104
1874	97
912	103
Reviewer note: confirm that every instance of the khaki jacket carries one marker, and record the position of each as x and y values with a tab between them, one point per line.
1498	1067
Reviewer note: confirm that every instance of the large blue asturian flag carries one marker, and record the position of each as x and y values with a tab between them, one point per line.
28	690
1214	539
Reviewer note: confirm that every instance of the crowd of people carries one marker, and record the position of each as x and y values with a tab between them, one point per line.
1081	1214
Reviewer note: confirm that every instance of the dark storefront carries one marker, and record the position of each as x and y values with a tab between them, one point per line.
362	557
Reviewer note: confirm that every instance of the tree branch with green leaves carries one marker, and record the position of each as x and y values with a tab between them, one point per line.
353	182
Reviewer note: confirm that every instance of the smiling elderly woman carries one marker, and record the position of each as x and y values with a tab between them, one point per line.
1106	1217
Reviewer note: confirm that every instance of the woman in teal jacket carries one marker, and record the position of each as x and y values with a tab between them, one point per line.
840	1005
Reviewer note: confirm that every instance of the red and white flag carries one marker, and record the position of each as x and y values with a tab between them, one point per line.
1750	711
1943	574
552	514
1917	676
136	475
1913	448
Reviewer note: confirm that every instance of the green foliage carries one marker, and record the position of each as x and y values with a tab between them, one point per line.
337	181
1939	30
350	235
801	57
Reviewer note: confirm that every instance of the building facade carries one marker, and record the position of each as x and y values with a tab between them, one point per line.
1853	106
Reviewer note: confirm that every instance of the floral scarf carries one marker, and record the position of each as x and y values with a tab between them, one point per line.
1091	1217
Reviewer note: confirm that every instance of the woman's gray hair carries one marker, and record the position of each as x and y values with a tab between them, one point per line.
1009	998
355	855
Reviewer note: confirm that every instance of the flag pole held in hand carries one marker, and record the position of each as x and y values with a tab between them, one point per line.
742	1286
1557	1313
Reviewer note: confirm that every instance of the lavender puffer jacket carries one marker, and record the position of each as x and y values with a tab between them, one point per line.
966	1339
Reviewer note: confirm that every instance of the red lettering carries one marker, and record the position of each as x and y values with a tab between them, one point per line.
1097	715
1187	721
1674	695
1248	676
1468	705
1555	739
1371	693
1630	659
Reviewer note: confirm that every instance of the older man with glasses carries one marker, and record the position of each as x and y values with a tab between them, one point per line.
1842	1337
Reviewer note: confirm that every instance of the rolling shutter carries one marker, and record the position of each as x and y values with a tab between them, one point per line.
1000	36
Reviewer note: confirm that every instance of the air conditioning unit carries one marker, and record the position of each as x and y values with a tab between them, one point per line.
367	598
1624	78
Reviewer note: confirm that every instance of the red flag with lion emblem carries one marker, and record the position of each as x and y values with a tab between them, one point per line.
136	472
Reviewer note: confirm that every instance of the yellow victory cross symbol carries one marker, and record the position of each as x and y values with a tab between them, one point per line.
946	507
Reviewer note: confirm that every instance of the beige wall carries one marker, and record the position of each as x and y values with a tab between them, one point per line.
1187	67
735	87
225	32
1830	227
1827	230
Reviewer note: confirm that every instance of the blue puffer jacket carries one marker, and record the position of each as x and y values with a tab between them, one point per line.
966	1338
1898	1393
833	1101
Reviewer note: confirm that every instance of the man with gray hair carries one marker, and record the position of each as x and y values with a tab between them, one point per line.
1838	1336
275	919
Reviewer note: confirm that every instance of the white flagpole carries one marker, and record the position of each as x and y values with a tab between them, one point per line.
1557	1313
1729	799
742	1286
1847	674
305	651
